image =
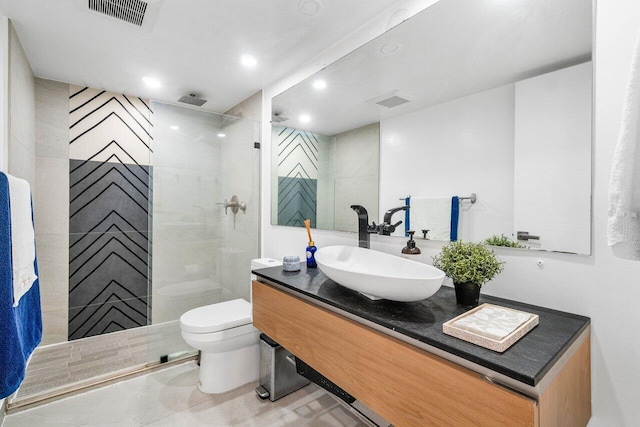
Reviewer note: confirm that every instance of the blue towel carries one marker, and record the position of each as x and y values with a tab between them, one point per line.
455	212
407	216
21	326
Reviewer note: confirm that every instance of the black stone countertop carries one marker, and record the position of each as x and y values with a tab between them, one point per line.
527	361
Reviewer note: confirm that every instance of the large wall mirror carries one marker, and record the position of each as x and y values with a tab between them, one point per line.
484	97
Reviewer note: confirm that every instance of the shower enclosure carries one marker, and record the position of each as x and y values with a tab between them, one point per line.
205	209
163	217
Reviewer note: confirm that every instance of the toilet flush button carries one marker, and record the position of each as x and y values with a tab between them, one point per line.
540	263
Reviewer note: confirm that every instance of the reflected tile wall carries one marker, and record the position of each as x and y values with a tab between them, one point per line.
357	162
297	154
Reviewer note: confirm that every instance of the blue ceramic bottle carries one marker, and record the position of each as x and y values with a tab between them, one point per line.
311	255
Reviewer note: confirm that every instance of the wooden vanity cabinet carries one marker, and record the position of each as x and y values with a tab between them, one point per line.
409	386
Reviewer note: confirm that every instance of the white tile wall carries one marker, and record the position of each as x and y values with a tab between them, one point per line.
38	153
21	112
51	205
51	196
52	118
22	160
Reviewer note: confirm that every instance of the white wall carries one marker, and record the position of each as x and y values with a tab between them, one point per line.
432	153
600	286
552	159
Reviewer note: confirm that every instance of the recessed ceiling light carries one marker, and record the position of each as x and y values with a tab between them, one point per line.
390	48
319	84
222	135
248	61
174	127
151	82
310	7
304	118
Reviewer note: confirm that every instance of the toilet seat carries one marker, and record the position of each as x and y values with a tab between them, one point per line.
217	317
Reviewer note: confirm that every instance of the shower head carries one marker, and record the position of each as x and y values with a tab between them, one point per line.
192	99
278	118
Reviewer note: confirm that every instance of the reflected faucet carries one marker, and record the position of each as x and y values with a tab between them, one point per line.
386	228
364	229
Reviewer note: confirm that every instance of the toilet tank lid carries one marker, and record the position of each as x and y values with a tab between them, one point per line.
216	317
264	262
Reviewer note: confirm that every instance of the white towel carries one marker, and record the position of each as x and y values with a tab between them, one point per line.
433	214
623	230
23	248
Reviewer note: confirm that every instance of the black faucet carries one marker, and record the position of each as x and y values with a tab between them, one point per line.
386	228
364	229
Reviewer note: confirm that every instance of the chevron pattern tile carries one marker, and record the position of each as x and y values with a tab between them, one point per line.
297	176
109	212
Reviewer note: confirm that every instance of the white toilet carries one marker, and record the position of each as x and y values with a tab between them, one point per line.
228	342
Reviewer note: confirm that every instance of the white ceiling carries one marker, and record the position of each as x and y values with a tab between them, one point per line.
452	49
193	46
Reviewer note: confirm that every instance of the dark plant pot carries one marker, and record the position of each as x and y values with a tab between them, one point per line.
467	293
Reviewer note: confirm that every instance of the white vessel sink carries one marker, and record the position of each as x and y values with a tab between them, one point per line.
378	275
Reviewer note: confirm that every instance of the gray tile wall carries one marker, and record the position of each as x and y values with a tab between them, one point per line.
109	247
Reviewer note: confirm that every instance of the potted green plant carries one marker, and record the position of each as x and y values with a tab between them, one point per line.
470	265
502	241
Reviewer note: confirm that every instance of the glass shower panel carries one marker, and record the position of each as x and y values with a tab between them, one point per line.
201	251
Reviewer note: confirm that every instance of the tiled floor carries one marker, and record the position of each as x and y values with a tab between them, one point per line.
59	365
169	397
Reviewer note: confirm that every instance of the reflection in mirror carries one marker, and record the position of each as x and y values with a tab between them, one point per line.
317	177
470	96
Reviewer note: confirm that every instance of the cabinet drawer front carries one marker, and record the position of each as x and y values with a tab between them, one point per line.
404	384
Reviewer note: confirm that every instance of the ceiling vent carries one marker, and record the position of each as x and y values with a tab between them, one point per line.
141	13
192	99
131	11
391	100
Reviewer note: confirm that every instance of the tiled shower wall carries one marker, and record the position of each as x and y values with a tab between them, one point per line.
107	169
51	205
91	209
109	221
